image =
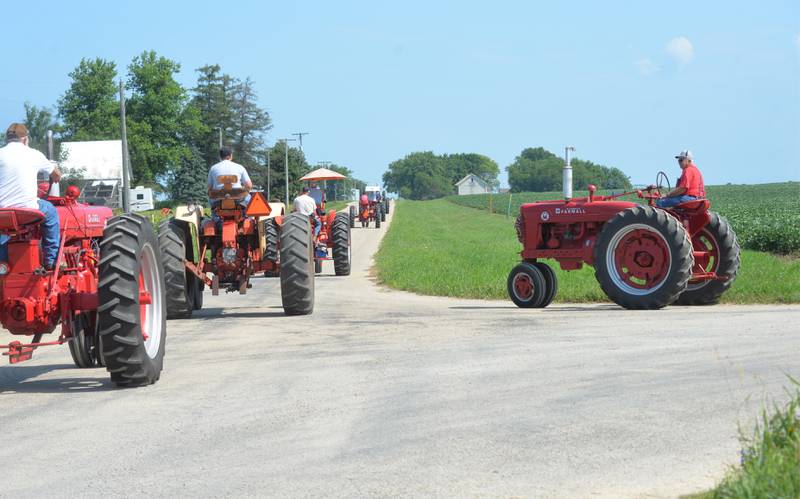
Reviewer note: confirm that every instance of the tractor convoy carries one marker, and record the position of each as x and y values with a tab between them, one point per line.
644	257
372	208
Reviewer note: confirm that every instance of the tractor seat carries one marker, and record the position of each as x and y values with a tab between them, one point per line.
694	206
235	194
14	219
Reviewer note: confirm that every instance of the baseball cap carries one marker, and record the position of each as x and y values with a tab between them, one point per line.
16	131
685	154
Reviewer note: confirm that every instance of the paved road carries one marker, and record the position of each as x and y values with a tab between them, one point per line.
385	393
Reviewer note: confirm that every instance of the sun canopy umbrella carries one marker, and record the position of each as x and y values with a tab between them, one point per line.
323	174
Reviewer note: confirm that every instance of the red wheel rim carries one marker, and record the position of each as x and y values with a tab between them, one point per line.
523	286
706	255
144	300
639	259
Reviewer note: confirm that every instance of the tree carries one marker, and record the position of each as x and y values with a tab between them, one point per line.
250	124
89	109
212	98
39	120
189	180
539	170
159	124
424	175
298	166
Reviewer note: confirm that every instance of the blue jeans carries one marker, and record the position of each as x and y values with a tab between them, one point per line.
51	227
673	201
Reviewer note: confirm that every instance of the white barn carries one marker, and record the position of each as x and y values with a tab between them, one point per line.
472	184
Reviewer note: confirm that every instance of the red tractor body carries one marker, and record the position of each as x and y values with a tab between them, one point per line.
370	209
644	257
34	300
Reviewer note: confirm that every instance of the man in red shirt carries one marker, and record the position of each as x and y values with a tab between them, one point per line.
690	185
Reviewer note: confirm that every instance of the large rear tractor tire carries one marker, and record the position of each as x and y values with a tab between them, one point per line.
272	251
526	285
181	285
132	310
340	236
643	258
297	265
353	216
719	241
378	216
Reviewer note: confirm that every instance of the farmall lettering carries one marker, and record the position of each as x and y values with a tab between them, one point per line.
570	211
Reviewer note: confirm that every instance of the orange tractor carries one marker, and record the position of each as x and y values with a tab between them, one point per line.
224	251
331	229
370	208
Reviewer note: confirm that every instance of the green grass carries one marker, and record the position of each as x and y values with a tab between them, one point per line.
765	217
770	459
440	248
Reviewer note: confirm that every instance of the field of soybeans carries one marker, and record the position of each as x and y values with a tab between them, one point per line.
765	217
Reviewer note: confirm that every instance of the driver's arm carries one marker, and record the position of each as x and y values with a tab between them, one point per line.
678	191
247	184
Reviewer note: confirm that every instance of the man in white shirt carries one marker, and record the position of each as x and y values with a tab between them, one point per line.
19	166
226	166
306	205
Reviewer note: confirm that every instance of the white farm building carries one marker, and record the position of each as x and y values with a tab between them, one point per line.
472	184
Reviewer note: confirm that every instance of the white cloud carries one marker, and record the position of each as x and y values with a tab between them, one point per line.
680	49
647	67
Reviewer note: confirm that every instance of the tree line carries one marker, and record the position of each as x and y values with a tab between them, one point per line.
425	175
173	132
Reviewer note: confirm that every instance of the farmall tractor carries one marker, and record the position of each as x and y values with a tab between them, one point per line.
105	289
333	240
370	208
644	257
226	250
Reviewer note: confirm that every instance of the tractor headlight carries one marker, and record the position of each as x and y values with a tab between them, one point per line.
3	268
228	255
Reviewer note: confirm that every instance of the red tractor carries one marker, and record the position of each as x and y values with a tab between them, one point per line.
224	251
105	289
332	239
644	257
370	208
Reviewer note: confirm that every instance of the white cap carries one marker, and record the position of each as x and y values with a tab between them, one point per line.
685	154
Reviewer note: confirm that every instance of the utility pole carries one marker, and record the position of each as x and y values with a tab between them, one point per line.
299	136
126	174
268	172
286	167
219	129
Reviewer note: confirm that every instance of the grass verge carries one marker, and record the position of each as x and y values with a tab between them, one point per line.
439	248
770	461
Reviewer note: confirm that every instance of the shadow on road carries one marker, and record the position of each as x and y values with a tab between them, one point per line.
208	314
481	307
14	379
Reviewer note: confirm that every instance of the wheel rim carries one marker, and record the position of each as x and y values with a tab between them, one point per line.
523	286
150	302
707	257
638	259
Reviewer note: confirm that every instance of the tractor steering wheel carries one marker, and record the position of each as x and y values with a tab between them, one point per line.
661	175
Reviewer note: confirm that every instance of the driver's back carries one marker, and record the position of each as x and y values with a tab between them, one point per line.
222	171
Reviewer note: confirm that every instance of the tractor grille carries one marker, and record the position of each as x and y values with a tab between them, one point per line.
519	225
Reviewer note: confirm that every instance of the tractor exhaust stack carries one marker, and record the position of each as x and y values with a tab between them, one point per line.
567	180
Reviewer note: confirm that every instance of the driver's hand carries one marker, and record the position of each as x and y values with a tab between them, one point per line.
55	175
652	187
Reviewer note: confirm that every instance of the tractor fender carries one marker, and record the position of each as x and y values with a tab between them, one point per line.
191	239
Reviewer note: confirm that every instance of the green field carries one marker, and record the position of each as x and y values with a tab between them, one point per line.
440	248
765	217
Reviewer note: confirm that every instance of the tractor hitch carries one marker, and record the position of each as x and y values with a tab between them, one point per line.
20	352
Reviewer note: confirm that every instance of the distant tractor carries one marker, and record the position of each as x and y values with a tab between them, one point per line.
332	239
106	288
370	208
644	257
227	249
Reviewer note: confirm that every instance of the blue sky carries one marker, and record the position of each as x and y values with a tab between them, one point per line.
628	84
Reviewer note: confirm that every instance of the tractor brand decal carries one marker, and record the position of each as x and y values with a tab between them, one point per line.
92	218
570	211
546	215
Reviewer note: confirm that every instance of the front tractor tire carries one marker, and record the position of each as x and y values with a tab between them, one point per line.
297	265
643	258
132	310
181	286
340	235
527	287
718	240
